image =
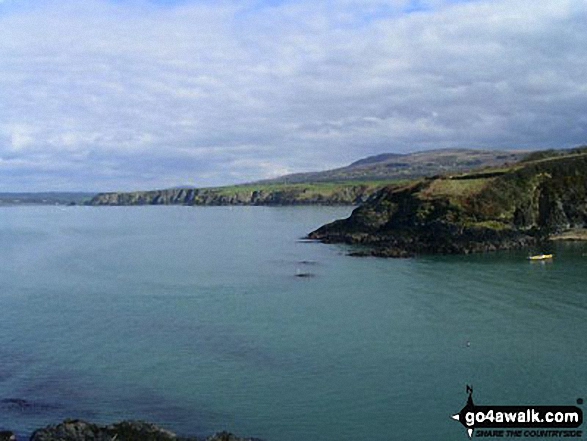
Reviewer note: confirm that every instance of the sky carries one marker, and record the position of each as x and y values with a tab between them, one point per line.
118	95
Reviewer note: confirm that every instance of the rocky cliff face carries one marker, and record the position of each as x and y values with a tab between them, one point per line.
486	211
245	195
550	195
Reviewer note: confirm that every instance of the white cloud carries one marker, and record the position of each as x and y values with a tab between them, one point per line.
21	137
126	93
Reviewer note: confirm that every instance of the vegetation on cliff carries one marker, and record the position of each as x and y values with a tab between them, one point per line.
350	185
492	209
349	193
394	166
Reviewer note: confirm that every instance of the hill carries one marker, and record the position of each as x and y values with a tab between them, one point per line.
349	185
393	166
512	207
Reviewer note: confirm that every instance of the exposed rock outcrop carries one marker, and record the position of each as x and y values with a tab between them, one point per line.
7	436
78	430
512	208
343	194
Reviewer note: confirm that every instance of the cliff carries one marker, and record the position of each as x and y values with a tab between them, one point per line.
294	194
350	185
513	207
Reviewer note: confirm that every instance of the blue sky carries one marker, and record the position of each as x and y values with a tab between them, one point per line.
135	94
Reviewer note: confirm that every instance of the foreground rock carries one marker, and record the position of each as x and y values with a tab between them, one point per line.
78	430
519	207
7	436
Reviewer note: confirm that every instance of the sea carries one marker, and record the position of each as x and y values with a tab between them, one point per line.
202	319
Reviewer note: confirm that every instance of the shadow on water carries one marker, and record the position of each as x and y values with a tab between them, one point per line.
54	397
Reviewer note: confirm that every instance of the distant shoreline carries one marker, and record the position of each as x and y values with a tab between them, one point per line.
44	198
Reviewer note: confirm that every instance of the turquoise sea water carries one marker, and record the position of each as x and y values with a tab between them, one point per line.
195	319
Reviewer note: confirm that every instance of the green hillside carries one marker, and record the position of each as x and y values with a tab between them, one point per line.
393	166
511	207
349	185
324	193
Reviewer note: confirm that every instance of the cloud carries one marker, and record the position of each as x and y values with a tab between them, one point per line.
103	95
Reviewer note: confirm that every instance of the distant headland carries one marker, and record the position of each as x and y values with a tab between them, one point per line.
446	201
350	185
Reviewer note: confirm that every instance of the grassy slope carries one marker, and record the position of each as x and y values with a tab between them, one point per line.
305	190
347	185
493	194
409	166
477	211
348	193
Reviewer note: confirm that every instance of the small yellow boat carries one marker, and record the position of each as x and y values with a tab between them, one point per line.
541	257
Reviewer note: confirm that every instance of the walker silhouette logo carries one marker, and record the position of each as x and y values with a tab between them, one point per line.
520	421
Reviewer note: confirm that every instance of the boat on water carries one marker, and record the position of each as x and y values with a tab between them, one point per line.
541	257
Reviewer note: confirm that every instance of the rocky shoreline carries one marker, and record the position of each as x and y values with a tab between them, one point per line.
79	430
525	206
440	238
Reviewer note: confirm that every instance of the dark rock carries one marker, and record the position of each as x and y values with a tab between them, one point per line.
493	211
139	430
7	436
70	430
78	430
